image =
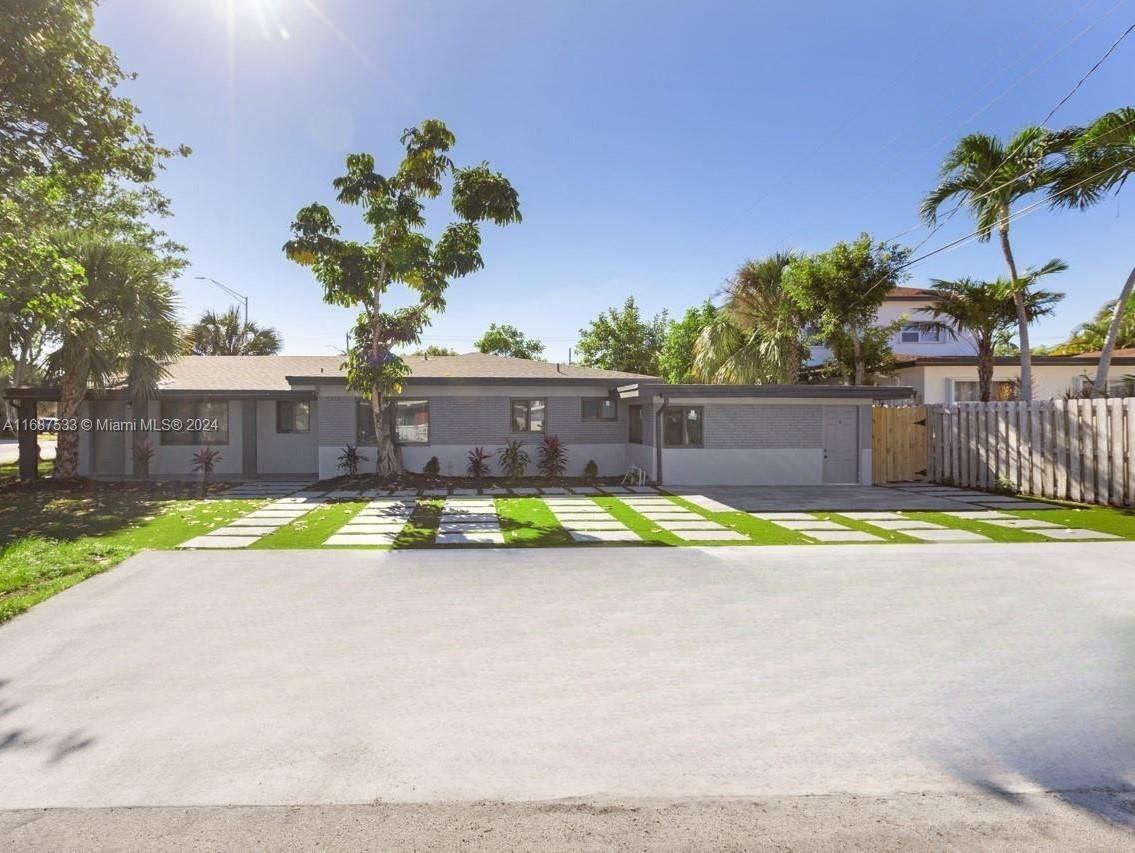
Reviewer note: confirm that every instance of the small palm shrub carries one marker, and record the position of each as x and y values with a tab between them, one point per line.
513	458
144	452
431	468
205	460
350	460
591	470
479	463
551	457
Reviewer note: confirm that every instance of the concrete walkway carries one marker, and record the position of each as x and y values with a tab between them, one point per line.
185	678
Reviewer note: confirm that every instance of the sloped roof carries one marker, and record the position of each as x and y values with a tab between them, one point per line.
1127	352
280	372
910	293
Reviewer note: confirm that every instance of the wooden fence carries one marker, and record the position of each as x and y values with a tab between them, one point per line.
898	443
1079	450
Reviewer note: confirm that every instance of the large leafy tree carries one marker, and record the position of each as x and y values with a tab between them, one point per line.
123	330
841	290
508	341
988	177
676	361
358	274
760	333
620	339
434	350
227	333
1099	161
1093	335
58	107
985	310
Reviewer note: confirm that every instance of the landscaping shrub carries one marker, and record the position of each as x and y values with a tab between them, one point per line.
513	458
350	459
479	463
431	468
551	457
205	460
144	451
591	470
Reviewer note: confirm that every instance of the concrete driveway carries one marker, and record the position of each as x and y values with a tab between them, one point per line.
349	677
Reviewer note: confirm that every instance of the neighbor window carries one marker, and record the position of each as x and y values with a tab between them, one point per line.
293	416
969	391
1124	387
364	422
634	424
598	409
917	333
195	422
412	421
682	427
528	415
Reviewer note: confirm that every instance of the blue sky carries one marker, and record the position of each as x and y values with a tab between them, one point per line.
655	145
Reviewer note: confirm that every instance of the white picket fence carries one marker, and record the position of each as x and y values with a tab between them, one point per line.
1079	450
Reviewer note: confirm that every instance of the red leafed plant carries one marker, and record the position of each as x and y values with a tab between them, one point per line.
551	457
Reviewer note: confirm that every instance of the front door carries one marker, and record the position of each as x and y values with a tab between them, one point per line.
841	444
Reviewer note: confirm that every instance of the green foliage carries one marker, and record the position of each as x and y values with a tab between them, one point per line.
551	457
1090	336
842	289
619	339
432	467
228	333
508	341
479	463
359	274
513	458
676	360
205	460
591	469
434	351
759	336
350	460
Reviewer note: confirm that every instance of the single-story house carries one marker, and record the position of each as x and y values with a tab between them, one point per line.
292	416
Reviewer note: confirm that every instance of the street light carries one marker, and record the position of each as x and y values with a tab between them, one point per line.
229	291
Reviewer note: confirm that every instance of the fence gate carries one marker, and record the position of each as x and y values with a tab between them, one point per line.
898	443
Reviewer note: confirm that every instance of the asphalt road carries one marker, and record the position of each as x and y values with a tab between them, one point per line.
998	677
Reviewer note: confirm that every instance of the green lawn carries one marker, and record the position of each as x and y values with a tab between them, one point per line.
52	540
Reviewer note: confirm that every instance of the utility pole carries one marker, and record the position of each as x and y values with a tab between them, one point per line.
233	293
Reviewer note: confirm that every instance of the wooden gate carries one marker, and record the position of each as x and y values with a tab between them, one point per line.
898	443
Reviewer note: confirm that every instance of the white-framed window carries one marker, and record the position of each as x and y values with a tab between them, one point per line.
917	333
412	421
969	391
1123	386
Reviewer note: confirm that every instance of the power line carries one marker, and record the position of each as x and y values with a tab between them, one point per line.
1090	72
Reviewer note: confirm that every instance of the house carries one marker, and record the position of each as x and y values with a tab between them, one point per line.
942	367
293	415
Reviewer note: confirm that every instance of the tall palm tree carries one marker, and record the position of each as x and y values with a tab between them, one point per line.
759	335
988	177
1100	160
123	332
227	334
985	309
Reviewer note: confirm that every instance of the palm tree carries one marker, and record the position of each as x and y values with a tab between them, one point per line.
985	309
122	333
1100	159
988	177
227	334
759	335
1092	336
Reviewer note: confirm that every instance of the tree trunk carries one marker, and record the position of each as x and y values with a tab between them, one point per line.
985	370
67	444
860	369
1099	387
1022	314
389	462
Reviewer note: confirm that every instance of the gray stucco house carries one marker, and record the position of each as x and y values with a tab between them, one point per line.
292	415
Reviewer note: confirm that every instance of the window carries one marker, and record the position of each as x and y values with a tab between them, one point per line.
1124	387
969	391
528	415
195	422
293	416
634	424
682	427
598	409
919	333
412	421
364	422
